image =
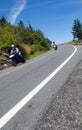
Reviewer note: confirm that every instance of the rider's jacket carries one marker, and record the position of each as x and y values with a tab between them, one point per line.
14	50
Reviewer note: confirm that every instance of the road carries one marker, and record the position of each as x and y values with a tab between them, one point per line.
27	90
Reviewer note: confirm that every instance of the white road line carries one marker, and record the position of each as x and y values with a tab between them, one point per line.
27	98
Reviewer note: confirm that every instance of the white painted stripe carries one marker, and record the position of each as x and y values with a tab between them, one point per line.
26	99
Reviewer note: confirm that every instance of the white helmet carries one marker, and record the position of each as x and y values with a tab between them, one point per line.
12	45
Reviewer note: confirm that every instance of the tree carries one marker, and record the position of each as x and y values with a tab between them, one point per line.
3	21
77	29
21	24
30	26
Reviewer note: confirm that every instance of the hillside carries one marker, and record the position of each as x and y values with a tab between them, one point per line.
28	39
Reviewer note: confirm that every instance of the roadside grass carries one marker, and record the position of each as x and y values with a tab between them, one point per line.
38	53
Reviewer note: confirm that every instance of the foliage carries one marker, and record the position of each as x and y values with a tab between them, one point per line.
3	21
77	29
28	39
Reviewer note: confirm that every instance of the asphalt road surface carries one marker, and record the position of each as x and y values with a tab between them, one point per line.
27	90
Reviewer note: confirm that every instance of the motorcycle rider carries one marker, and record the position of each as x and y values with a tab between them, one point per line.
14	49
17	55
54	45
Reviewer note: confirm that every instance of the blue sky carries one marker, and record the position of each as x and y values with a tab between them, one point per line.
54	18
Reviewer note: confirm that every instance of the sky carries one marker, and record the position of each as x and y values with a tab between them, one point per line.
55	18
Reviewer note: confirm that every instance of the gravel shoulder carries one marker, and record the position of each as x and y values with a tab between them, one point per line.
65	111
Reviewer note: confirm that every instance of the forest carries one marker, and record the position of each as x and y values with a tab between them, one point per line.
29	40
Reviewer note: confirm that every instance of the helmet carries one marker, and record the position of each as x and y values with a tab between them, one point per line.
12	45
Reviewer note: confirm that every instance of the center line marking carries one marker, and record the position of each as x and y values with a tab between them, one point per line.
27	98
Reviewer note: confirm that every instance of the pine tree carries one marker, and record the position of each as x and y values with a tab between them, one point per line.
77	29
3	21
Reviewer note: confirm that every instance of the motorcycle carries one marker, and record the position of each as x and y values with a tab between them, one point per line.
17	58
55	47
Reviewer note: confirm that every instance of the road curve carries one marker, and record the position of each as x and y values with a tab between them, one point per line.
32	86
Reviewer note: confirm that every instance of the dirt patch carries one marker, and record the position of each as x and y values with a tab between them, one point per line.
5	62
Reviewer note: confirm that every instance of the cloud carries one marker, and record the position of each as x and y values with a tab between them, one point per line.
16	10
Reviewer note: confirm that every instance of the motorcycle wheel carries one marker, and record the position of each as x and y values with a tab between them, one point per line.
14	63
23	60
